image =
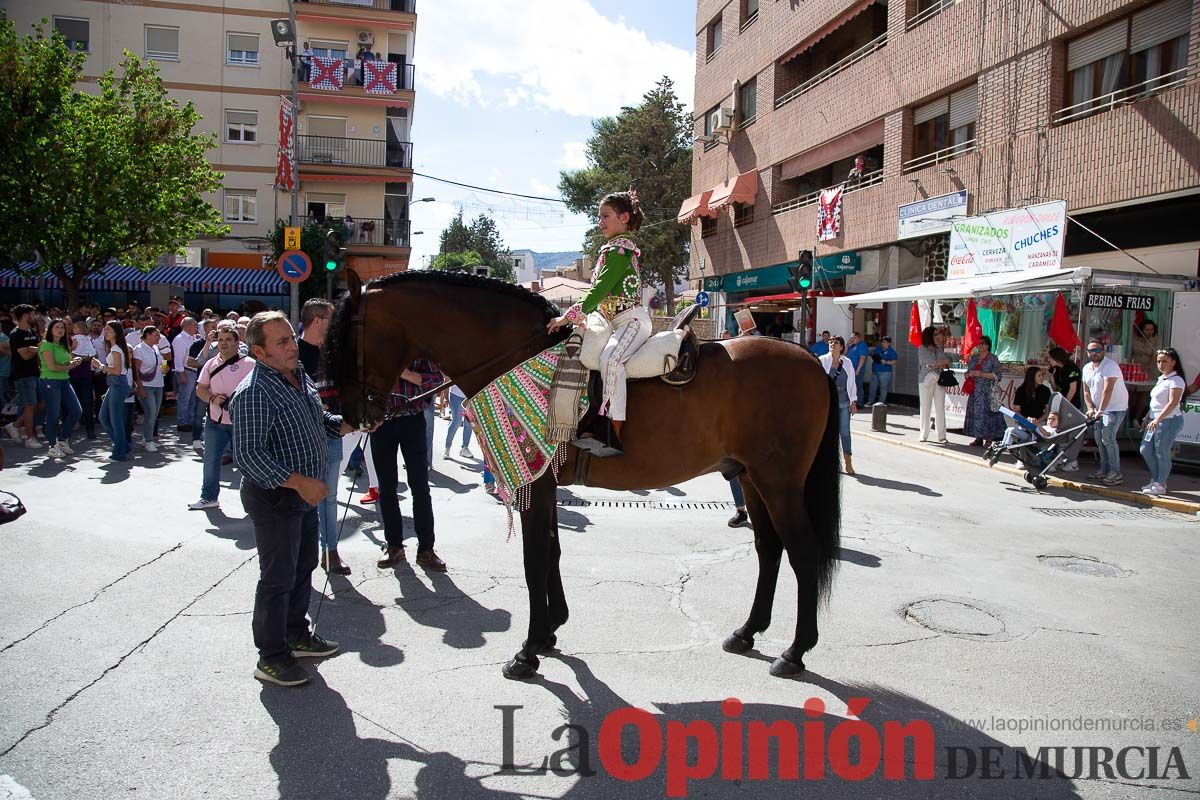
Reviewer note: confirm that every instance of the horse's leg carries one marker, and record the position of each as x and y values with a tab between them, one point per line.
536	524
554	585
770	551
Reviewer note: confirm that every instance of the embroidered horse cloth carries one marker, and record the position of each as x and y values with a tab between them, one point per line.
510	417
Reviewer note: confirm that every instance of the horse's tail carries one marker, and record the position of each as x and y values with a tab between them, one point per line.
822	497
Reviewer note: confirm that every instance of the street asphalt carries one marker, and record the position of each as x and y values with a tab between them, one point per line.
964	604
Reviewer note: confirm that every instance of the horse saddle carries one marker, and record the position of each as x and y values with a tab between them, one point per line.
670	355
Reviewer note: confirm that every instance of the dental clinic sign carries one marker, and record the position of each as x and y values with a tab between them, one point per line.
1012	240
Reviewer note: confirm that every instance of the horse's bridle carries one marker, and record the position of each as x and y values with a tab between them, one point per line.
359	327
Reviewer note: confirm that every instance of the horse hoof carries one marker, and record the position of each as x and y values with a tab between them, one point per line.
519	670
786	668
551	645
735	643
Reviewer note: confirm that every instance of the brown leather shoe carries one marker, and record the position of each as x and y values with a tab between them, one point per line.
429	560
392	556
332	563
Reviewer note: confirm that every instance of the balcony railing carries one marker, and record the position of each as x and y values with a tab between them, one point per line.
868	179
405	77
929	13
1130	94
938	156
407	6
353	152
833	69
370	232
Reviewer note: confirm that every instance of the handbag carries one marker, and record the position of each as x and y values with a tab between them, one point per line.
947	379
11	507
968	386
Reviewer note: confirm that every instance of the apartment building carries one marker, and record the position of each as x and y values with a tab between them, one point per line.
354	150
976	104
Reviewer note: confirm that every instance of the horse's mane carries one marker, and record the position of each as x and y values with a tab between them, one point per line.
466	279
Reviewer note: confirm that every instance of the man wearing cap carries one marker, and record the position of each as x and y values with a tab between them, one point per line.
173	322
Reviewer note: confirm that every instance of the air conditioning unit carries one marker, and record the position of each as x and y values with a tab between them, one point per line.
366	37
725	121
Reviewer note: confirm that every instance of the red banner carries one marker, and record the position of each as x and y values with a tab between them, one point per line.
285	165
379	77
327	73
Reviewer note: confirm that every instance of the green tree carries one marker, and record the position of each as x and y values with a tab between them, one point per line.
647	146
482	238
89	178
461	262
312	242
457	236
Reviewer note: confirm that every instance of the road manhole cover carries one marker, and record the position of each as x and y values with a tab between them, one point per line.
1084	565
955	617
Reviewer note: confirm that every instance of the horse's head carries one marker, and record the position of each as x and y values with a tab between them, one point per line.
357	363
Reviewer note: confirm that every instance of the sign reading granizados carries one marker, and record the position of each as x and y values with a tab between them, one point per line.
1012	240
931	215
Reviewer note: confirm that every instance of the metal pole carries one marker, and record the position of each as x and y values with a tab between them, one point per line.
295	217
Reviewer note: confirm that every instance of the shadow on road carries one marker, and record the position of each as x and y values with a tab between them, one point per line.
445	607
898	486
858	557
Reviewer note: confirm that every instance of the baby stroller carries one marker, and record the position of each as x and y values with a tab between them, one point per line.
1036	451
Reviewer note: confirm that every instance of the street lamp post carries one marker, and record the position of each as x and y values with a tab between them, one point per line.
295	145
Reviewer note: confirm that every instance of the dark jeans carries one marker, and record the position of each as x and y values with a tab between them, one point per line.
81	379
406	434
285	533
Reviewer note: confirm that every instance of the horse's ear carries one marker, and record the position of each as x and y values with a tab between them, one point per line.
353	287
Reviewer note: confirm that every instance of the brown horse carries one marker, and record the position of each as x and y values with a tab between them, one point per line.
759	408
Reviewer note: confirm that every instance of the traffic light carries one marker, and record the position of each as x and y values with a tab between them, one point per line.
800	277
333	251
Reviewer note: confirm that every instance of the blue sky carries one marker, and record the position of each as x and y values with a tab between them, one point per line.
506	94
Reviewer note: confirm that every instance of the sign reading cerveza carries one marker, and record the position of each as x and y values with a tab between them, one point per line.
1120	302
776	276
931	215
1013	240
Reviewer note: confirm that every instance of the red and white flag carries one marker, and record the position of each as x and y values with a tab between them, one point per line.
379	77
285	165
829	214
328	73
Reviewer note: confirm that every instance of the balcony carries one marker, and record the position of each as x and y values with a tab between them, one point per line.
342	152
369	232
938	156
404	6
353	82
868	179
827	73
1130	94
929	12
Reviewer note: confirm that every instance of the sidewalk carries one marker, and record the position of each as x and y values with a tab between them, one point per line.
903	429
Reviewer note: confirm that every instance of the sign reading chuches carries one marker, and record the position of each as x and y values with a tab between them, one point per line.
1012	240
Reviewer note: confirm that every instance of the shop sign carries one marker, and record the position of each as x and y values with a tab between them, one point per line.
775	277
931	215
713	283
1012	240
1120	302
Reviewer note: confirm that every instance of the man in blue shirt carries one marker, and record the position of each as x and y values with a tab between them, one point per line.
822	347
279	433
858	353
884	359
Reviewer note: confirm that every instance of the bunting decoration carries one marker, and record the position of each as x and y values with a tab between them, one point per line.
829	214
379	77
328	73
972	331
914	325
285	164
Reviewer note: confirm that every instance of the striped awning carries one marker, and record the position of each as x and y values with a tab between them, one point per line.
211	280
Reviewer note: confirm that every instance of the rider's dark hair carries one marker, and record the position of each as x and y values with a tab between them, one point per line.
626	203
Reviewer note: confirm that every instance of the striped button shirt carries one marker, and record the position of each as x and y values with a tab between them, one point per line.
279	429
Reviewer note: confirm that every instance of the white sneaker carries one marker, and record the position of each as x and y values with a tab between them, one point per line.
1071	466
200	505
1146	489
1154	489
465	453
31	442
55	452
150	447
66	448
12	430
446	453
198	446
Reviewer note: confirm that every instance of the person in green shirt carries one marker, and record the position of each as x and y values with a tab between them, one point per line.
56	362
617	294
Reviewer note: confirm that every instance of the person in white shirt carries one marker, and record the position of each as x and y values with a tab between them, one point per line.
185	379
1107	401
1166	419
148	361
840	370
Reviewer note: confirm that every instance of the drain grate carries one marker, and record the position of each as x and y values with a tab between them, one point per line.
1109	513
651	505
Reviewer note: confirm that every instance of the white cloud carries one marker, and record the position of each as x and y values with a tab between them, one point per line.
560	55
542	188
574	155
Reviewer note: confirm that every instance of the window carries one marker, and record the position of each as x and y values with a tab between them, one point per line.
241	126
1128	58
747	100
329	49
162	43
322	207
712	119
713	37
708	226
946	122
75	30
241	205
749	13
242	49
743	214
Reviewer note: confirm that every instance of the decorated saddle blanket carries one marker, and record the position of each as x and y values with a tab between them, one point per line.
511	417
658	356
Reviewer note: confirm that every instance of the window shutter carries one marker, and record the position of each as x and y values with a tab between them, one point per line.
1160	23
1097	45
314	197
930	110
327	126
243	41
162	41
241	117
964	106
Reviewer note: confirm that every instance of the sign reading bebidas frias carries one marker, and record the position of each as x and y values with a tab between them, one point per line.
1120	302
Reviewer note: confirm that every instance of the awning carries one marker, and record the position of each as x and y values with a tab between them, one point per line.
841	19
210	280
848	144
1031	280
695	207
741	189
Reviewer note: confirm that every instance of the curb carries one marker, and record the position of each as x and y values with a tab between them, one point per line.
1166	503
